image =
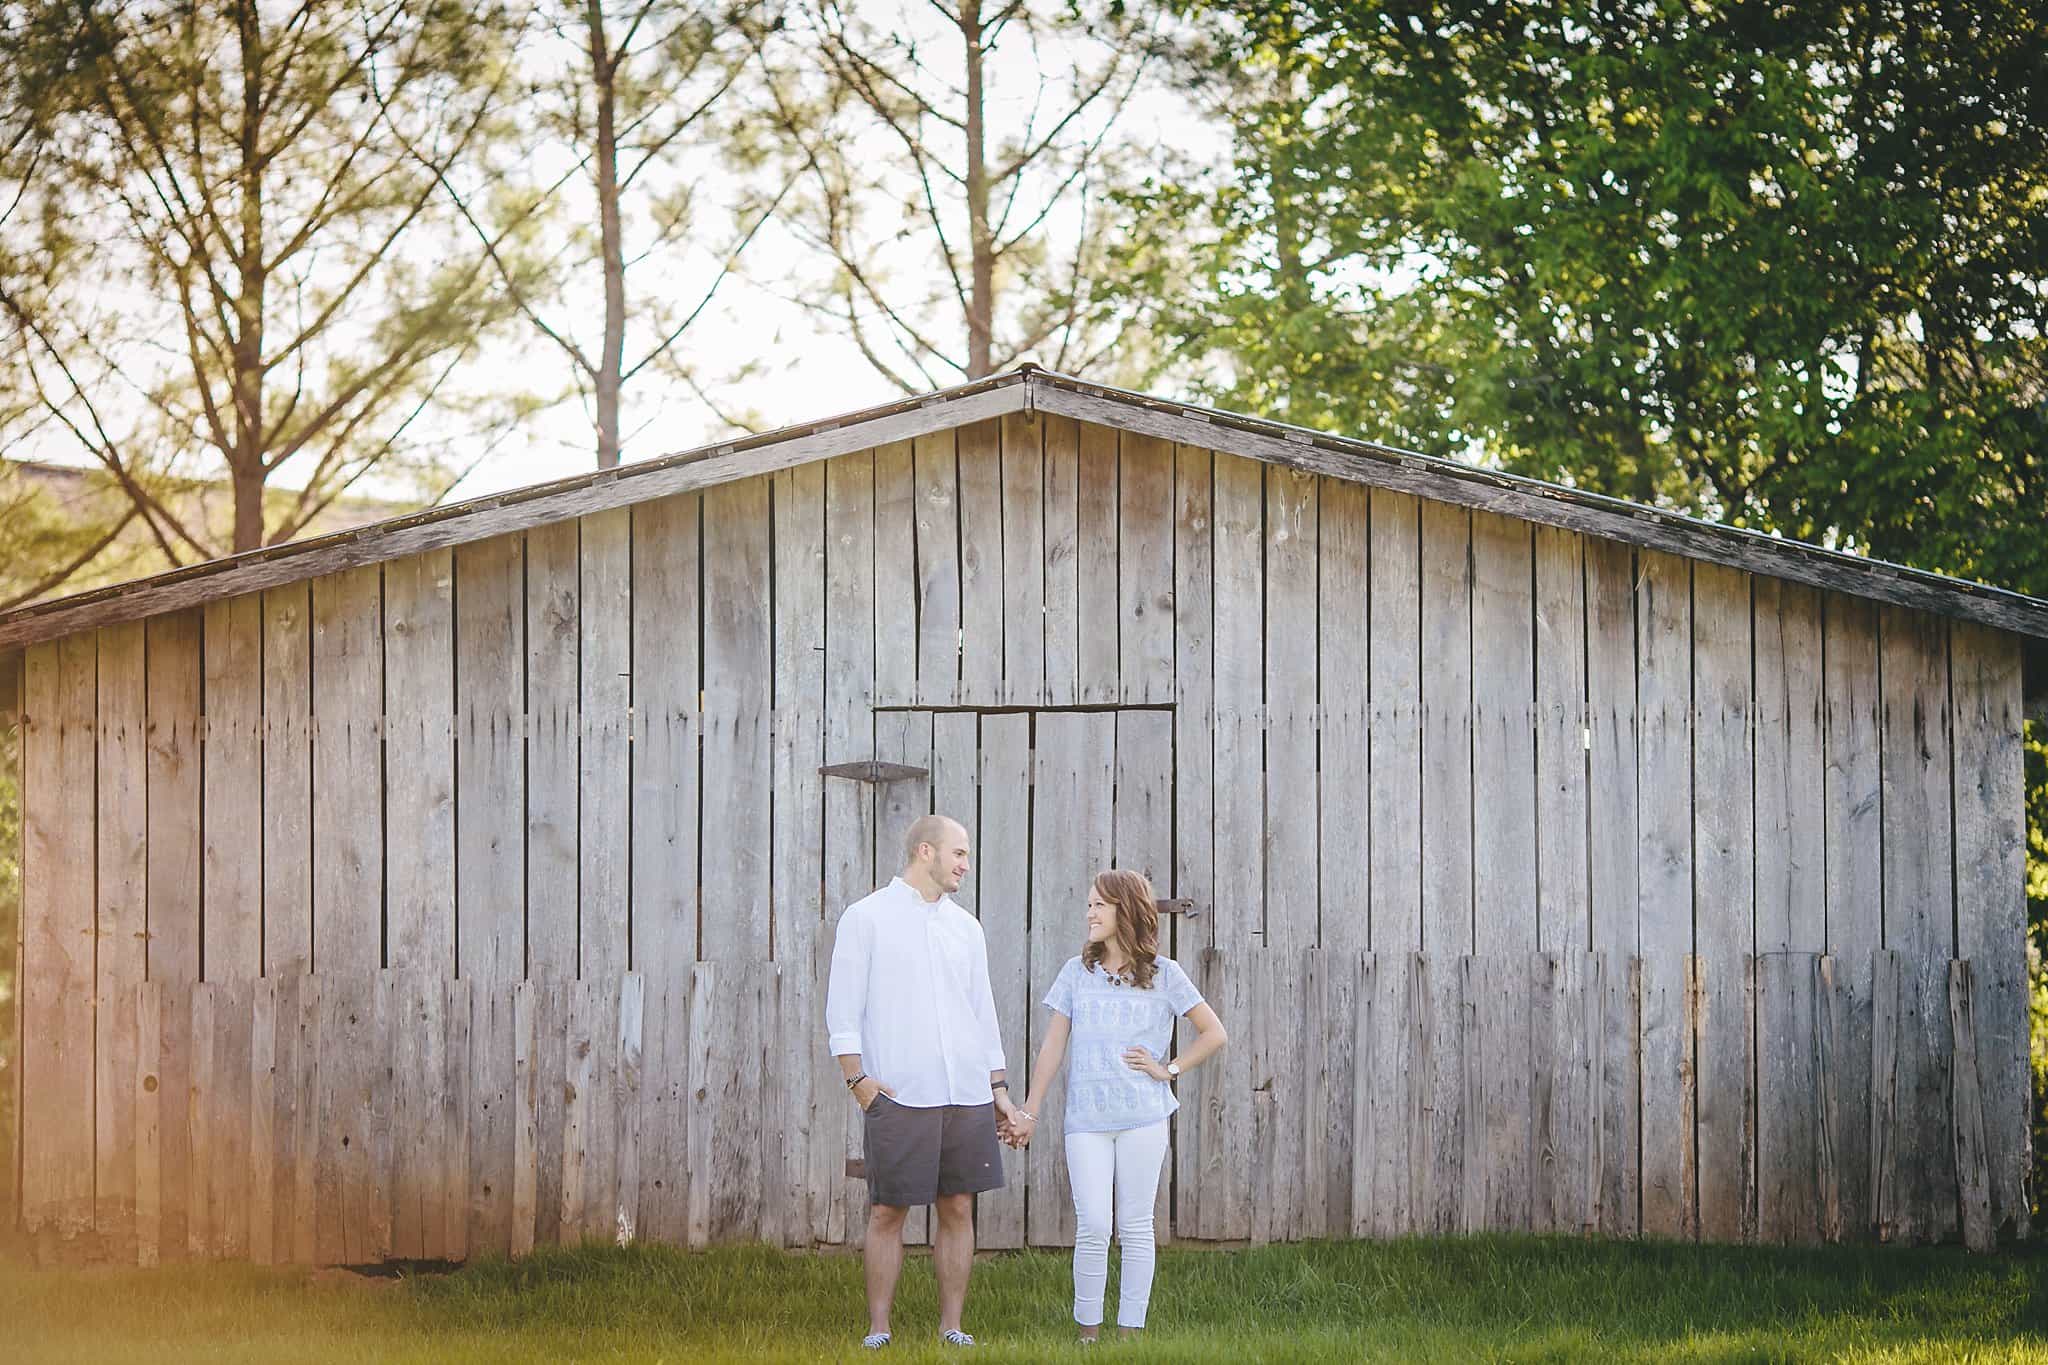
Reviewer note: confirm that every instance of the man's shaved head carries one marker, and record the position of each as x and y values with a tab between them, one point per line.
942	832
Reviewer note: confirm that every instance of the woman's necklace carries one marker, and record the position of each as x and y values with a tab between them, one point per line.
1119	976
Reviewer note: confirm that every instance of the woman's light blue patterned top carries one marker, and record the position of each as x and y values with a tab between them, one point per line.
1103	1094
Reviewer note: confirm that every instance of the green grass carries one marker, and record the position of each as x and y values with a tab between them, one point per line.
1523	1299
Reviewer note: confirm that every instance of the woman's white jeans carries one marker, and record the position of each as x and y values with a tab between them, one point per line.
1127	1162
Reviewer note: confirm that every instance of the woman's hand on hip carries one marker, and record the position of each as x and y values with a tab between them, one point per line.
1141	1059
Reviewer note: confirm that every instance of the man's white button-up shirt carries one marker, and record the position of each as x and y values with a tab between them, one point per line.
910	993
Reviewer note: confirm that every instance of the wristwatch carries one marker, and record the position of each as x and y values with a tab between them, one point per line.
1173	1071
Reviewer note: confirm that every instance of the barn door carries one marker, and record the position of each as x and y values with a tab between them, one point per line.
1051	798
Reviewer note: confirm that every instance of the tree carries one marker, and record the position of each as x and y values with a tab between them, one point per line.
955	182
633	101
244	266
1781	265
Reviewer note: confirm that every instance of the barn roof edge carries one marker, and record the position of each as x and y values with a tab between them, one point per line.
1032	388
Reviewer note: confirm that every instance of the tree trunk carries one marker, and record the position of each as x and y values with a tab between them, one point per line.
612	360
981	293
246	459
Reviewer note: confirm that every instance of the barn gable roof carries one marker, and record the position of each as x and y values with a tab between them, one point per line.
1025	390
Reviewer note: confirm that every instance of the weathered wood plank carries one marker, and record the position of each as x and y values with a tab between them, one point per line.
936	517
1791	824
1664	874
849	734
523	1177
1447	909
453	1157
1062	445
1194	871
738	672
175	869
604	814
1022	514
810	1167
1504	861
1667	1058
232	830
1886	1198
1853	805
1563	740
149	1111
1611	834
287	805
1239	681
1478	992
895	577
582	1107
202	1106
261	1120
1145	530
414	1175
419	713
982	554
1724	899
1991	909
550	1044
118	949
1830	1121
1919	905
1002	869
348	772
1292	905
1394	844
600	1002
553	732
229	1150
493	1114
1292	910
1099	619
1973	1168
1788	1007
665	736
490	753
56	938
301	1119
1369	1100
629	1050
1344	840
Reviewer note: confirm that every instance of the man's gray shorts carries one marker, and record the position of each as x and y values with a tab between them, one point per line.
915	1155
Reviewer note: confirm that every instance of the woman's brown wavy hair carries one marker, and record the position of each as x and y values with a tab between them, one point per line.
1137	925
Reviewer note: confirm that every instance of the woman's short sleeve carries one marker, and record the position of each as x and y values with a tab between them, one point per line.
1180	991
1061	996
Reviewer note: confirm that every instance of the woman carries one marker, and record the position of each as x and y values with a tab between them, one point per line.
1118	1000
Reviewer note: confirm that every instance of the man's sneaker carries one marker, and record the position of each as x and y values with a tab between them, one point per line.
874	1341
956	1337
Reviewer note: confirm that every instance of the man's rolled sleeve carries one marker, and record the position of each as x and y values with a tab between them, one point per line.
846	990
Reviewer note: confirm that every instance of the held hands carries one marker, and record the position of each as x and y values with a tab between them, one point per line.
1141	1059
1016	1126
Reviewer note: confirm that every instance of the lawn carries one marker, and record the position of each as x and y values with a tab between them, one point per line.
1488	1298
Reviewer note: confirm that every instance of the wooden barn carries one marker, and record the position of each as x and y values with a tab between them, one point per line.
466	882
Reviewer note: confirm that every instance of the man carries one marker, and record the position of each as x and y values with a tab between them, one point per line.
912	1020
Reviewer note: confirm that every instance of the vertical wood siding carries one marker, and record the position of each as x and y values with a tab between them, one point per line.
1625	890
